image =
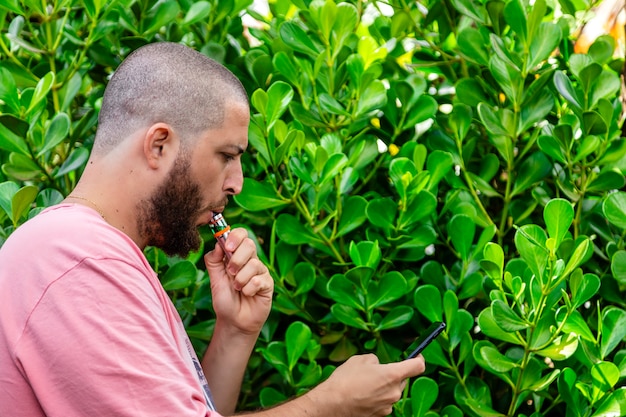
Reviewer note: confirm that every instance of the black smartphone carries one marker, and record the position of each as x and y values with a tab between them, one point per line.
424	339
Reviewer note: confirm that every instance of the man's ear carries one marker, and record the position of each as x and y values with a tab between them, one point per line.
159	144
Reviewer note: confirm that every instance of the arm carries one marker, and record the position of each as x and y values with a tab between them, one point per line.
361	387
242	292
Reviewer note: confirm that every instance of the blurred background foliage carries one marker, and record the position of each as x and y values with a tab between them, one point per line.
410	161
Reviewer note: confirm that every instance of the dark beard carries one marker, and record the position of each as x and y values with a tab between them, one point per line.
168	219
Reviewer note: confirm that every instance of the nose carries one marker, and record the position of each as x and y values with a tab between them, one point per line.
233	183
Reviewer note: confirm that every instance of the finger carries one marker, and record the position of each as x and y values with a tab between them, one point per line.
244	253
259	285
409	367
235	238
251	269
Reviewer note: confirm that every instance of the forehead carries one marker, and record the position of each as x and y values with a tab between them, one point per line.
233	132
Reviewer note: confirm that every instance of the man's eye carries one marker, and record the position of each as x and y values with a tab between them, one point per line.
228	157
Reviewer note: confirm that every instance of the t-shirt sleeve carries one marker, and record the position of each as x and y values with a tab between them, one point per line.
100	343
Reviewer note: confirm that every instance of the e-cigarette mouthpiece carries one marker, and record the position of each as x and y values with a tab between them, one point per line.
220	230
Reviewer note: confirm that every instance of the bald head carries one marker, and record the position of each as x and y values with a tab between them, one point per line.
168	83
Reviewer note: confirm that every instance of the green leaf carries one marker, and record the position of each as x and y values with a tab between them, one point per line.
41	90
279	96
57	131
578	257
346	292
285	65
606	181
552	147
558	215
257	196
391	286
490	328
565	87
535	111
583	287
180	275
304	275
374	97
427	300
472	46
604	376
506	318
515	16
543	43
461	230
614	209
8	91
398	316
348	315
296	38
11	142
613	330
365	253
161	14
575	324
494	254
618	266
613	405
22	168
382	212
21	202
491	120
533	169
424	109
12	5
297	340
424	392
460	120
490	356
470	92
198	11
353	214
7	191
333	167
530	241
77	159
561	348
292	231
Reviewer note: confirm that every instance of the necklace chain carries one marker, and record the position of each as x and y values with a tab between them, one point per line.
95	206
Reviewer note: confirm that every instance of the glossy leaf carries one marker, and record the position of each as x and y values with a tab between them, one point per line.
398	316
613	330
297	340
256	196
614	208
461	230
348	315
618	266
344	291
490	328
427	300
424	392
180	275
533	169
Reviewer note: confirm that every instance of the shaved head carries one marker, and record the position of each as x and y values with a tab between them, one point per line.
165	83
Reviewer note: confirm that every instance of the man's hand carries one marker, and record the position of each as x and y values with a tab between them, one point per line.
242	291
363	387
242	287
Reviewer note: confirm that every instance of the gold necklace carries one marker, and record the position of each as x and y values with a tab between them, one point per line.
95	206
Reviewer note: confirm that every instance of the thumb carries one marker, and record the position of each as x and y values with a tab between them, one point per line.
214	261
409	367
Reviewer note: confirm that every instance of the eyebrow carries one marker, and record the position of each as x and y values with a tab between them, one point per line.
235	148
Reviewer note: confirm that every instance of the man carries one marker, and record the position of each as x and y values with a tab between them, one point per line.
86	328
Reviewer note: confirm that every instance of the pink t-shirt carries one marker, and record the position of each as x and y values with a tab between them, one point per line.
86	328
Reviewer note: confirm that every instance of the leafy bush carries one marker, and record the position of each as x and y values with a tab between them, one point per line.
409	162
